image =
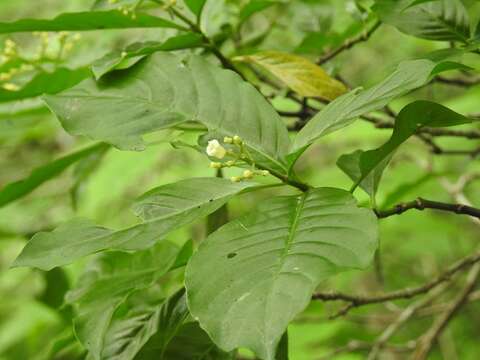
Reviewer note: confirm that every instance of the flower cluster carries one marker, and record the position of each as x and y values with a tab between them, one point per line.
62	43
239	155
126	10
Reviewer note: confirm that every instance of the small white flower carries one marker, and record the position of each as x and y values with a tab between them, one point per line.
215	165
215	149
248	174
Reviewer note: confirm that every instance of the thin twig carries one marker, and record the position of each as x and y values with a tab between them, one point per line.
348	44
426	343
421	204
462	82
407	293
404	316
438	132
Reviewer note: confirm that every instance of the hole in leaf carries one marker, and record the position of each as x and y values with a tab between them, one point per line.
231	255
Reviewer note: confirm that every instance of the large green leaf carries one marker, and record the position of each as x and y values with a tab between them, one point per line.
412	118
105	300
301	75
46	83
88	20
18	189
345	109
445	20
164	90
137	51
163	209
262	268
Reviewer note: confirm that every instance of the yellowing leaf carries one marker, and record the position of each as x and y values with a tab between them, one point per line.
298	73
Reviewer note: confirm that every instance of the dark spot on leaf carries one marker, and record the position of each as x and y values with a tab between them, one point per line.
231	255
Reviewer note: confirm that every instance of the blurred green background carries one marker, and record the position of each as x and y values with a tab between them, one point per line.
413	247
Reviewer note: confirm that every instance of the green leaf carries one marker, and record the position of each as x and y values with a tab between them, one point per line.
46	83
18	189
164	90
63	346
170	319
190	343
176	337
132	325
107	292
414	116
88	20
82	171
263	267
184	255
349	164
444	20
253	7
137	51
56	286
195	6
301	75
163	209
345	109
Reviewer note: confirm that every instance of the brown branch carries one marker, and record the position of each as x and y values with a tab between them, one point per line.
462	82
404	316
421	204
358	346
427	341
348	44
407	293
438	132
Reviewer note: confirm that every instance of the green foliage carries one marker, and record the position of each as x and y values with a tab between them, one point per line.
345	109
88	20
162	210
115	295
191	90
135	52
412	117
18	189
46	83
283	251
434	20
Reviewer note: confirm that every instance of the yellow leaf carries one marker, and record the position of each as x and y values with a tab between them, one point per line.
299	74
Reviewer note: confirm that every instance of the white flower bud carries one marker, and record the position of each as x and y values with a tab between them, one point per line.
228	140
11	87
248	174
236	179
237	140
215	149
230	163
265	172
215	165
